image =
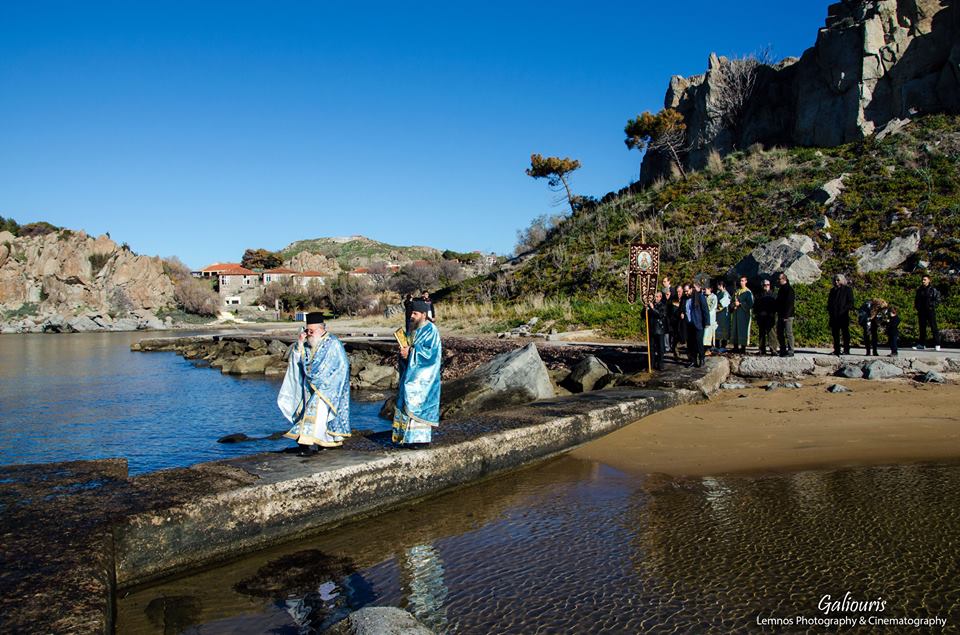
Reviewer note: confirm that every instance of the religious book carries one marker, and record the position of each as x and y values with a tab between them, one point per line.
401	336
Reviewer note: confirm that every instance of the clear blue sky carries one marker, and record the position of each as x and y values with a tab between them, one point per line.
199	129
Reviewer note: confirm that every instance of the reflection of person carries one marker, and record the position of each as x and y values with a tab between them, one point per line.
315	394
839	304
418	397
740	317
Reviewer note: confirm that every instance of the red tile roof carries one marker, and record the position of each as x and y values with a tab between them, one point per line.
231	269
219	266
361	270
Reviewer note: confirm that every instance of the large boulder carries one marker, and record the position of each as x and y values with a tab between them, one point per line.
517	377
586	375
374	376
761	367
789	255
250	365
881	370
890	256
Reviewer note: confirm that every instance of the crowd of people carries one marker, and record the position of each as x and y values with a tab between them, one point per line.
706	319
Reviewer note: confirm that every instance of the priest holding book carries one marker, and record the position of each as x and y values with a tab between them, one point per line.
418	398
315	395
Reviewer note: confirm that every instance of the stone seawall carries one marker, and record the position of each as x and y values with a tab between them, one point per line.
123	531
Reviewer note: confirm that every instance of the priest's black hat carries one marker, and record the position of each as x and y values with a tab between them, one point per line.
315	317
420	305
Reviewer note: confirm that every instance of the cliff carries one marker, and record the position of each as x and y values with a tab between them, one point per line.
66	280
874	62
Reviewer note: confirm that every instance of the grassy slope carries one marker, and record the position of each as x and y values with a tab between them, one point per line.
717	216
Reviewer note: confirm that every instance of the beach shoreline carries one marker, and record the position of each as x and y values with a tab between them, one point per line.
753	430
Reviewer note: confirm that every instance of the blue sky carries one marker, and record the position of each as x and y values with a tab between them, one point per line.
199	129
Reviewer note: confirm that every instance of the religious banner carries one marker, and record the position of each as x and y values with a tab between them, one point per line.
643	273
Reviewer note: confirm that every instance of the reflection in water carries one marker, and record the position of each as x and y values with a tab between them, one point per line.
426	589
574	546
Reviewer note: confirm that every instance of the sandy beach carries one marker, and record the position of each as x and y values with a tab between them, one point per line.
755	430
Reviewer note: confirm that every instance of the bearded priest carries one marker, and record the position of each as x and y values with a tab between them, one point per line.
418	398
315	395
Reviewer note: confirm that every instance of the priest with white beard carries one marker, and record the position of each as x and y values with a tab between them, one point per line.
315	395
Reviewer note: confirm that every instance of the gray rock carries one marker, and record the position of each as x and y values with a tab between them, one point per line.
762	367
83	324
732	385
933	377
891	256
390	405
838	388
881	370
249	365
851	372
124	324
585	375
516	377
276	347
773	385
236	437
373	376
827	193
789	255
380	620
55	324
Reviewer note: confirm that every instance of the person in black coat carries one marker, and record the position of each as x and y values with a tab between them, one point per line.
765	308
839	304
659	327
893	330
695	317
925	302
786	306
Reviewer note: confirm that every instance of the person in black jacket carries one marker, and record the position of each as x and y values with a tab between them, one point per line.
839	304
765	308
925	302
657	313
786	305
893	330
695	318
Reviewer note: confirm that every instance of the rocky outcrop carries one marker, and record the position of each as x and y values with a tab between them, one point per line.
307	261
380	620
875	61
67	281
514	378
788	255
890	256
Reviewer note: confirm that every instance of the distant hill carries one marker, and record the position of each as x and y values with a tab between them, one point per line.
359	251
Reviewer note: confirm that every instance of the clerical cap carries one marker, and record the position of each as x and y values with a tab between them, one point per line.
420	305
315	318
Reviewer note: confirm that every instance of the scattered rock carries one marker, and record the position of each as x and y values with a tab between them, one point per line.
585	375
932	377
516	377
236	437
773	385
891	256
732	385
380	620
789	255
850	372
249	365
375	376
838	388
276	347
827	193
762	367
881	370
390	406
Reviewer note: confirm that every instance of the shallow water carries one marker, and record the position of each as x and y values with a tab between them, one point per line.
87	396
574	546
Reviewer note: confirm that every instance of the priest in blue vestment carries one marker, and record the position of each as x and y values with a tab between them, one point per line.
418	398
315	395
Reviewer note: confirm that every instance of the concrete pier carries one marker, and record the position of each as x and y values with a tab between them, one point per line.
138	530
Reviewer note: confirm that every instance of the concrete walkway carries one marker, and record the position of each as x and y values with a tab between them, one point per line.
73	533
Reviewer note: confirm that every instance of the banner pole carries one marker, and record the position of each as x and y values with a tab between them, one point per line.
649	353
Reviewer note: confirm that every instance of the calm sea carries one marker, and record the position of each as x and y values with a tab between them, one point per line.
87	396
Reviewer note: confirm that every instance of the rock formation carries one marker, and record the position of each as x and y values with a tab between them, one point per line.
874	62
68	281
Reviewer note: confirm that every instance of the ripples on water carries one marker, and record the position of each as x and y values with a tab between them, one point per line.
87	396
572	546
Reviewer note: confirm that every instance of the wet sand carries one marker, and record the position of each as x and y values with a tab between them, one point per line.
754	430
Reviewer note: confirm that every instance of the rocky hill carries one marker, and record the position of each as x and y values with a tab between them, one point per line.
883	210
875	61
349	252
66	280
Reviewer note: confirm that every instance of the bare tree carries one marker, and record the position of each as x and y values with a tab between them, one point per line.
735	85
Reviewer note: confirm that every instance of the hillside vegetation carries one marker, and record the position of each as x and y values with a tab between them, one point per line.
709	221
358	251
